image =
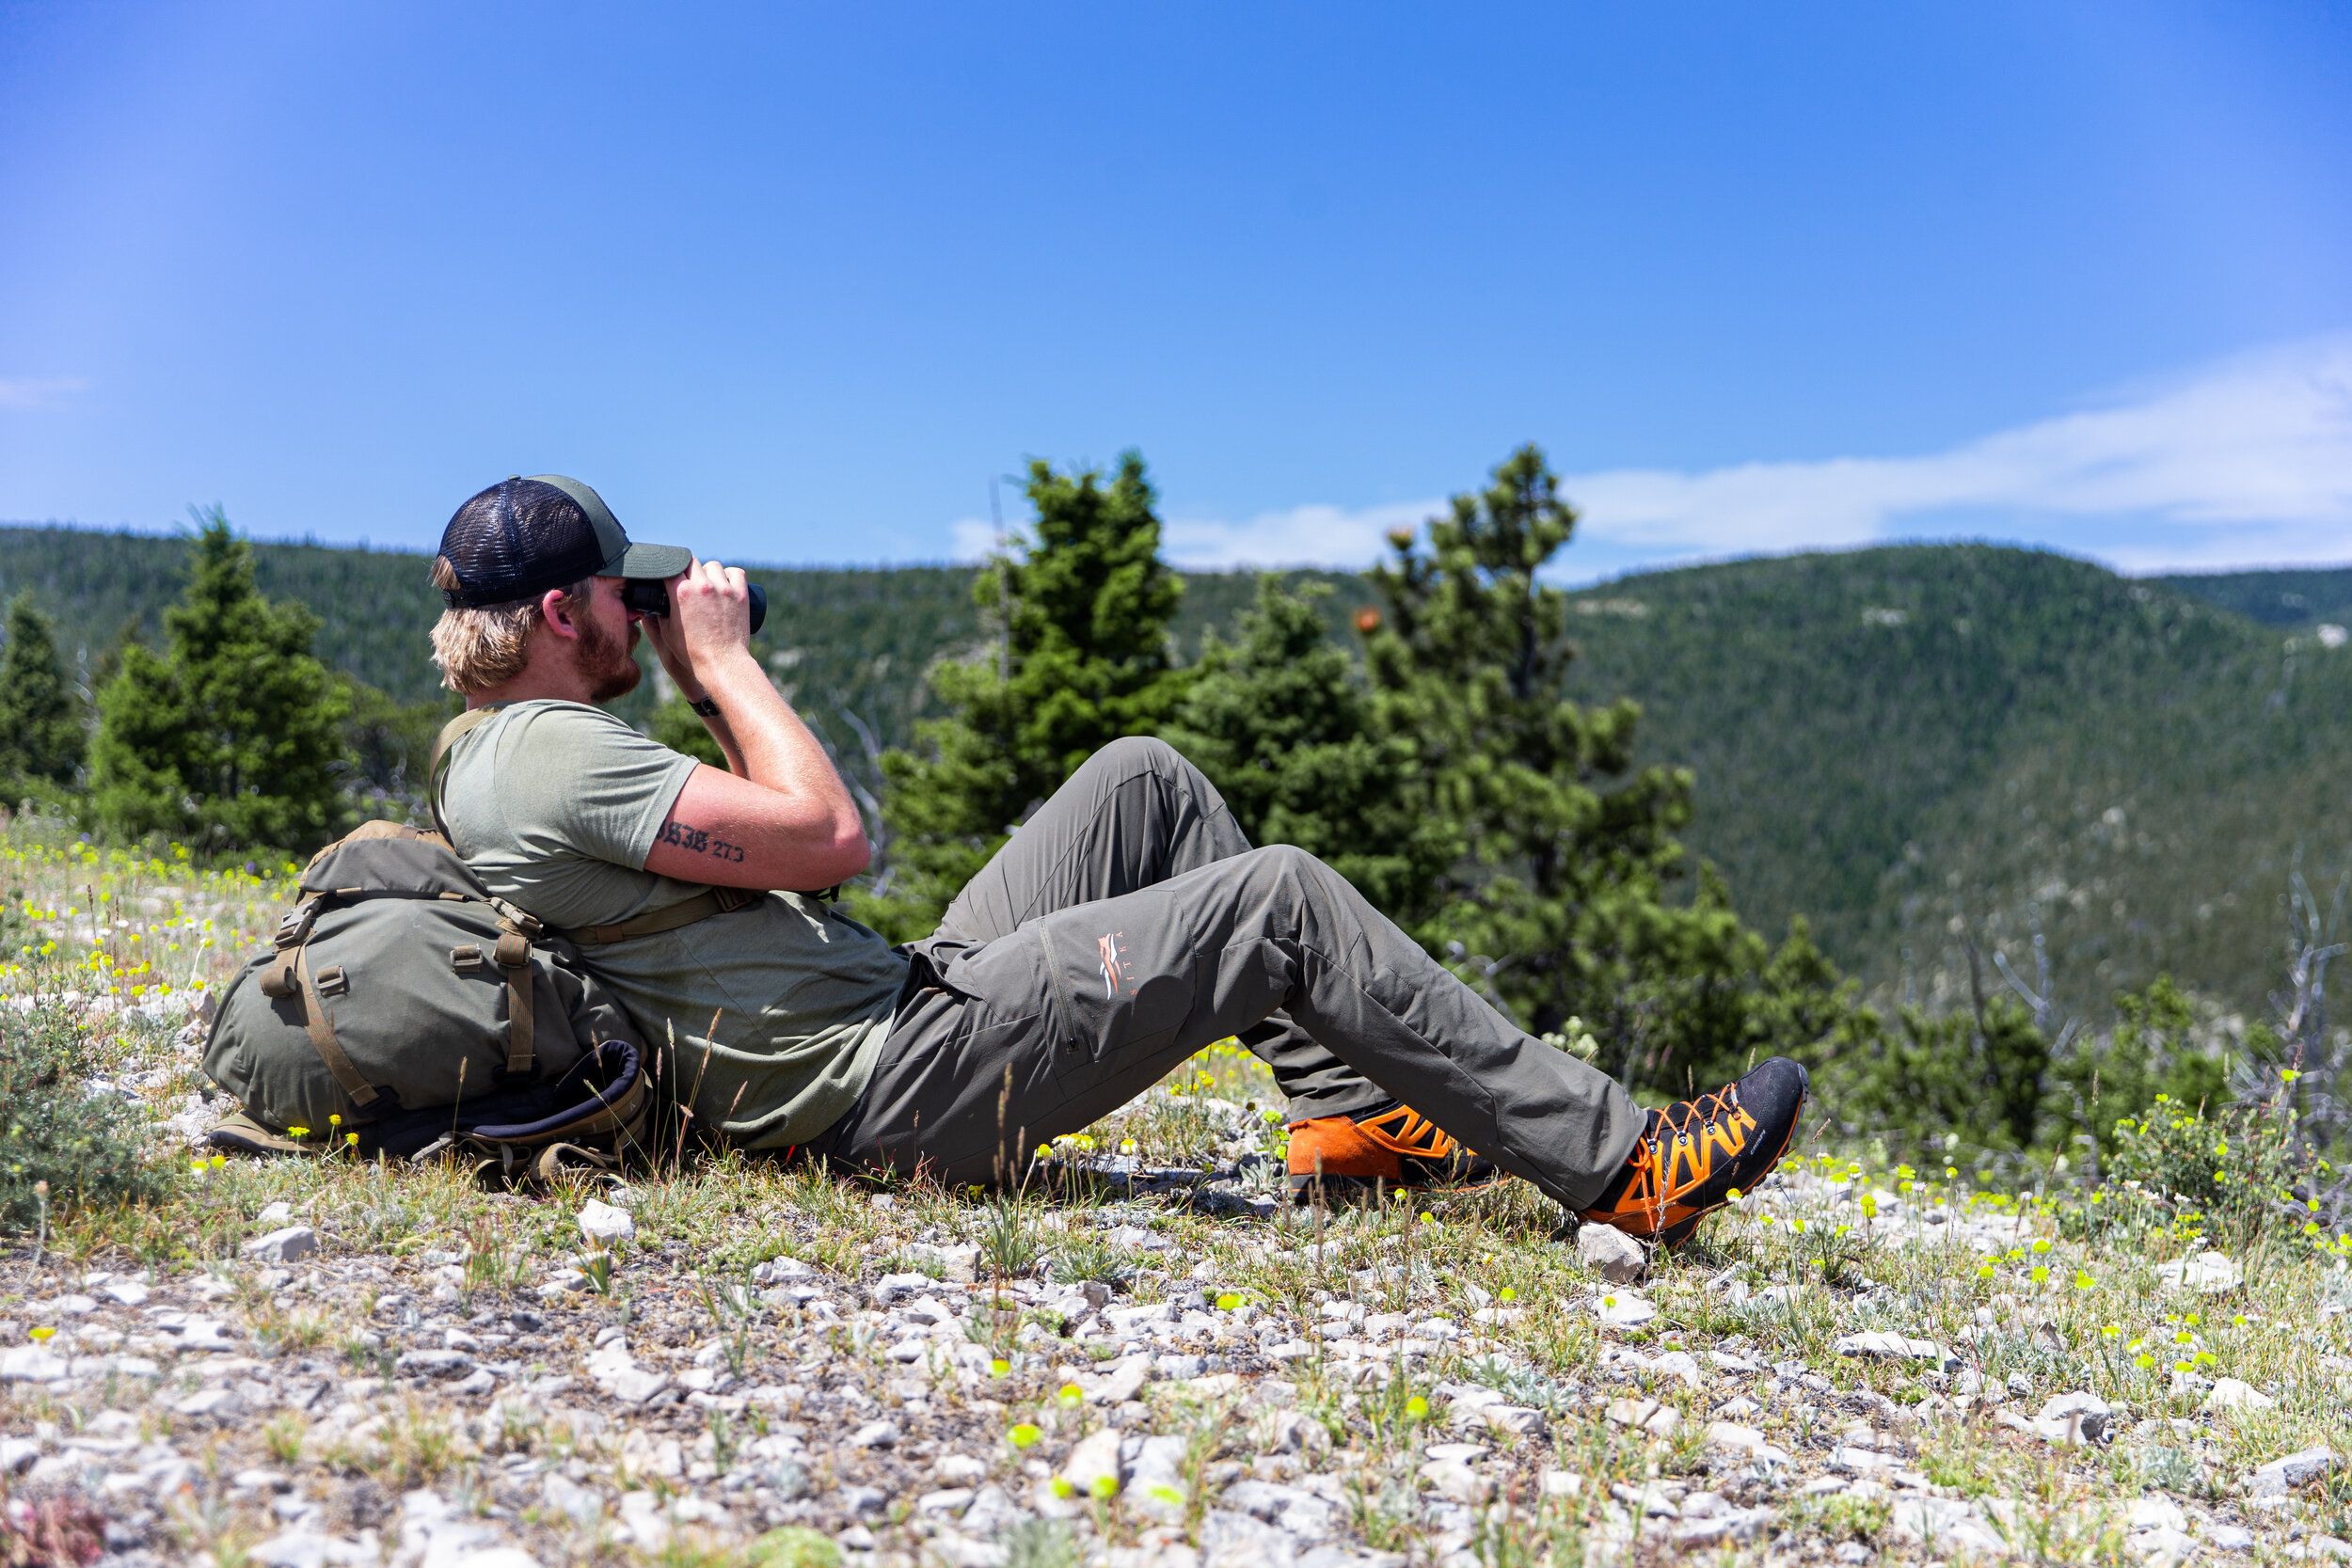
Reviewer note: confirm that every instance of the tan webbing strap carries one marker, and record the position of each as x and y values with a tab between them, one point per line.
513	955
710	902
450	735
322	1034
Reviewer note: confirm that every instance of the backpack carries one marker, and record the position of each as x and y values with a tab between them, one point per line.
403	1010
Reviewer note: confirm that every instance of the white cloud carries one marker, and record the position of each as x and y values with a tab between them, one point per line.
975	538
2246	461
22	395
1312	535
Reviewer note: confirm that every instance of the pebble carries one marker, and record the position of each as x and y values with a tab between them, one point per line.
1092	1468
282	1245
32	1364
1623	1309
2075	1421
2229	1394
2283	1475
1715	1529
875	1434
891	1288
433	1363
1746	1441
617	1371
1648	1416
1943	1524
2208	1274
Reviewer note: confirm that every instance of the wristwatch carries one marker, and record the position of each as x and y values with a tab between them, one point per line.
704	706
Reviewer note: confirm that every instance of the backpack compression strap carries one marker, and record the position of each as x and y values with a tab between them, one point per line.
513	955
321	1029
290	974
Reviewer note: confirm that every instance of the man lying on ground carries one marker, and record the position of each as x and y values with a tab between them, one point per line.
1124	926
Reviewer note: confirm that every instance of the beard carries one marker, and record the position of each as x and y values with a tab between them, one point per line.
608	662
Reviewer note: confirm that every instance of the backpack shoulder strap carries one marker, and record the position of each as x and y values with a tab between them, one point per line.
450	734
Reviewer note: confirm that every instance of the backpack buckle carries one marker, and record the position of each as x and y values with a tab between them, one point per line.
294	929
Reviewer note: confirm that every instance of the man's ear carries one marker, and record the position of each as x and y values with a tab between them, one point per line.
556	609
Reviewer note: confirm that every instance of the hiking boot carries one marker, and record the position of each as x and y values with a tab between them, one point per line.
1696	1153
1336	1157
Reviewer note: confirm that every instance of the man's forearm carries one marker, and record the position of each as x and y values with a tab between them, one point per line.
722	730
766	742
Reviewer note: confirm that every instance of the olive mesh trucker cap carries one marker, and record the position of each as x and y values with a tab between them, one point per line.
521	537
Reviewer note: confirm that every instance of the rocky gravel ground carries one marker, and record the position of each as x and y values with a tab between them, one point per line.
1144	1358
1153	1366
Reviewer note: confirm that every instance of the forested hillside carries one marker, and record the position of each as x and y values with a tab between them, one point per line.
1921	746
841	640
2289	596
1916	748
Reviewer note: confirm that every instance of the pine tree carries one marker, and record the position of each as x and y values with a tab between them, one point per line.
43	729
1280	720
1080	657
1559	909
231	738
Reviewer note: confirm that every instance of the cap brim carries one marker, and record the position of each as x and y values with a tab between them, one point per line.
656	561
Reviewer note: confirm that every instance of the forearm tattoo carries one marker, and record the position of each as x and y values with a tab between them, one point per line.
700	840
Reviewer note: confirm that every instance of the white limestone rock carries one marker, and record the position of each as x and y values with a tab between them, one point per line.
1880	1345
282	1245
1612	1254
603	1225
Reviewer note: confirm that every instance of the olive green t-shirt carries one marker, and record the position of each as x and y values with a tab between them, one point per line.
777	1009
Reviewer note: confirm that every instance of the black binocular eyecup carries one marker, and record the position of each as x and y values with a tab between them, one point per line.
649	597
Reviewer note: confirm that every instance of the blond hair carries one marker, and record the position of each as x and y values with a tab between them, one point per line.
478	649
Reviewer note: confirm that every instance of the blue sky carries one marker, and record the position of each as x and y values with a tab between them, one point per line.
794	284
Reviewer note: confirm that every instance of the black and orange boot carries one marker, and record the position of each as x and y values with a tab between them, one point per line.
1339	1157
1695	1154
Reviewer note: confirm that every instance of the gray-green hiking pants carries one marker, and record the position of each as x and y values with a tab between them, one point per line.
1127	924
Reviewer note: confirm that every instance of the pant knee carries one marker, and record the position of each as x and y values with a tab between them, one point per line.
1286	863
1148	753
1135	755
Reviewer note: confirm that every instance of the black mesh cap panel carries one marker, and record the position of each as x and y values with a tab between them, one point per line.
515	541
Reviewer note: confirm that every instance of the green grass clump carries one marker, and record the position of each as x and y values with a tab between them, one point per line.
61	1145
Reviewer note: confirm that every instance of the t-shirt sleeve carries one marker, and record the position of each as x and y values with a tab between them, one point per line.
581	778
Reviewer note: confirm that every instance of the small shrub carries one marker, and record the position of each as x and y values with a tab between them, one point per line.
2236	1173
84	1145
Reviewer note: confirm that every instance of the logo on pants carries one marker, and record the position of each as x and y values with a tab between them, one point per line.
1115	976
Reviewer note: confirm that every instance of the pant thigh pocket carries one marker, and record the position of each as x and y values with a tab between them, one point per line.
1117	1008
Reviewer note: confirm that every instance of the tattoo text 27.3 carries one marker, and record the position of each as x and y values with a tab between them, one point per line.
699	840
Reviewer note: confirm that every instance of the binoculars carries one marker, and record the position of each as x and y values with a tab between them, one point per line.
648	598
